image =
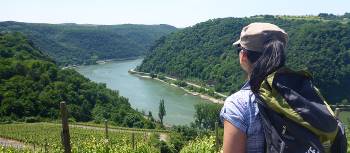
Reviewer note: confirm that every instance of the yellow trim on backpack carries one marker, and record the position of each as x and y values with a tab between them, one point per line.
278	104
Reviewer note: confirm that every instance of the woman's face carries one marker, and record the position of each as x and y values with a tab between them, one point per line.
244	62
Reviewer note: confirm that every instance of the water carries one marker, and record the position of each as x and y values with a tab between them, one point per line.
144	94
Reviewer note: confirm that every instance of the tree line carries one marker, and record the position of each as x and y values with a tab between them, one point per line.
75	44
204	52
32	85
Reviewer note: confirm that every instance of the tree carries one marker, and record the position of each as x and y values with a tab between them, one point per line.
83	42
152	75
150	116
203	53
206	115
31	86
162	111
345	102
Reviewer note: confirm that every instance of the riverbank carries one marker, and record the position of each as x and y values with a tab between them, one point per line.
98	62
144	94
192	89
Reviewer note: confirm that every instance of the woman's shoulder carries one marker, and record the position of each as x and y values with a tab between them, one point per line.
241	96
242	100
239	109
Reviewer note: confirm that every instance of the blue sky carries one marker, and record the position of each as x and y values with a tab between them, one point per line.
179	13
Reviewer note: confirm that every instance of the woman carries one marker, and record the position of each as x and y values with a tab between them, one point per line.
261	51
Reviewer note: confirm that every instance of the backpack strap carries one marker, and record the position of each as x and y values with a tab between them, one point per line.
269	131
340	144
277	141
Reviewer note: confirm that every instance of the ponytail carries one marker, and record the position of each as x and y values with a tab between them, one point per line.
271	59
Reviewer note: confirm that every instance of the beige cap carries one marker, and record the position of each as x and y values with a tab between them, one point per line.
254	35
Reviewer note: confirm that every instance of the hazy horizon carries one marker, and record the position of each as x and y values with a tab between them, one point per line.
155	23
180	13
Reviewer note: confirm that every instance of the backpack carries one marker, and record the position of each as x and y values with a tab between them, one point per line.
295	117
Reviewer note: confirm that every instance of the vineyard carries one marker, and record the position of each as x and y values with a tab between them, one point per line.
45	137
92	138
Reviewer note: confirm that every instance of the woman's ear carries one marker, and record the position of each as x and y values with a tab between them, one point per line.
243	57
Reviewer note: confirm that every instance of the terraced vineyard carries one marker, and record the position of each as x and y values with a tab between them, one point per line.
89	137
45	137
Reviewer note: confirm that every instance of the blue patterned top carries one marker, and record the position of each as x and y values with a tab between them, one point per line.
241	110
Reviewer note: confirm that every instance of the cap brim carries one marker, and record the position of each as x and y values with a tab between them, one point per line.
237	42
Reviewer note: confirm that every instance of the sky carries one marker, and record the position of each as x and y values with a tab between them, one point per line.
179	13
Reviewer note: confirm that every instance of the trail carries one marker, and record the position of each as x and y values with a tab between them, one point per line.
12	143
162	136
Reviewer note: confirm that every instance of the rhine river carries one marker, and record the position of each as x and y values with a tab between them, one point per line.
144	94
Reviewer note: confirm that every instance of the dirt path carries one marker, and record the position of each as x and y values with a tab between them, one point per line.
162	136
112	129
12	143
102	129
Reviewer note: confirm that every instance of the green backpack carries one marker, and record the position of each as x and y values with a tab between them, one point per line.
295	116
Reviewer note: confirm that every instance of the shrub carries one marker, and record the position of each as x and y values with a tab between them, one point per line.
31	119
200	145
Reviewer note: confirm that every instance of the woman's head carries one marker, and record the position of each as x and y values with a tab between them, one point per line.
261	51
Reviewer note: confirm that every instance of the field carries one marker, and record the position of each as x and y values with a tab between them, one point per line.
45	137
90	137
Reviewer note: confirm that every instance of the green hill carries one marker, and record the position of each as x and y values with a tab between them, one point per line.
203	53
85	44
31	87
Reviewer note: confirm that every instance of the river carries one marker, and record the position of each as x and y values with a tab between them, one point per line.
144	94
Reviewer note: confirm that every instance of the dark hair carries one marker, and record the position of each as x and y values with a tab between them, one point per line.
253	56
271	59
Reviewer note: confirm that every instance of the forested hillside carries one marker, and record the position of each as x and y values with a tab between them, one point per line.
32	86
85	44
204	52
